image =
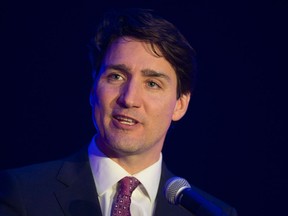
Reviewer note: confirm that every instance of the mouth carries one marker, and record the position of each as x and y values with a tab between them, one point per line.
125	120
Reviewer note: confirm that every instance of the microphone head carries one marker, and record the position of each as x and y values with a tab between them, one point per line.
173	188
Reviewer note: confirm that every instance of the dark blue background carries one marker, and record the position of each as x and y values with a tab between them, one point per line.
232	142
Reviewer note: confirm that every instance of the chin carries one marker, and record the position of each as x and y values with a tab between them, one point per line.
125	145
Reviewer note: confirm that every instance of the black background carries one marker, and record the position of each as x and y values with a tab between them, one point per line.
231	143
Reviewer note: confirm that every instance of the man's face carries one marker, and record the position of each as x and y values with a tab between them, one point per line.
134	100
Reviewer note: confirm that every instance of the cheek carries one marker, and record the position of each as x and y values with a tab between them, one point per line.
163	110
104	100
99	114
106	93
100	97
99	104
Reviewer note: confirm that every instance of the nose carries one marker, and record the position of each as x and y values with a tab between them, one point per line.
130	95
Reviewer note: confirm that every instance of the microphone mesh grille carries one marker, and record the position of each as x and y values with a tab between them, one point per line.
173	188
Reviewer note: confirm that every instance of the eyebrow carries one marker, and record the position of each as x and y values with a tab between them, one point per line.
119	67
145	72
153	73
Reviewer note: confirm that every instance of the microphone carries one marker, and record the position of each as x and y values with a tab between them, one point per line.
179	192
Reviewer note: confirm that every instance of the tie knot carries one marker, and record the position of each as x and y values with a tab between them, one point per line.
128	185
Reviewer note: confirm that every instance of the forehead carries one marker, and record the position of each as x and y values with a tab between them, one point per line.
137	55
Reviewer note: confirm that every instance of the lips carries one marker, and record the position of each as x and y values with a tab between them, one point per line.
125	120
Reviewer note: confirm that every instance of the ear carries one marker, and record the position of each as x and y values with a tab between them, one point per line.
181	107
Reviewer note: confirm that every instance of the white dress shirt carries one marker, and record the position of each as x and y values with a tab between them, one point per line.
106	175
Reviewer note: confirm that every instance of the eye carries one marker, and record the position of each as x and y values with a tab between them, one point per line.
152	84
114	77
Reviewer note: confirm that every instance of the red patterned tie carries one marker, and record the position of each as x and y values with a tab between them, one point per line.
121	206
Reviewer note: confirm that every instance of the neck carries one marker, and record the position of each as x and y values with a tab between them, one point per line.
135	163
132	161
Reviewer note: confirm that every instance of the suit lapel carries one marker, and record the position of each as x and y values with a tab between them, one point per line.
79	197
79	194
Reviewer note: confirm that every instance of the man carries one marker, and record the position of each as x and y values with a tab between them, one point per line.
143	75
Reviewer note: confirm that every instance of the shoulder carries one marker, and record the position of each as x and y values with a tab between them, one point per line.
226	208
39	173
36	187
207	197
30	176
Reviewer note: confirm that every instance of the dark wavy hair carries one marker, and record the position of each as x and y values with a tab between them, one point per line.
145	25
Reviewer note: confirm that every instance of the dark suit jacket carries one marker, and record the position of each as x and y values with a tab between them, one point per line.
66	187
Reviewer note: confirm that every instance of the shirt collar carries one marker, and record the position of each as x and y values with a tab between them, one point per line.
107	173
150	178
